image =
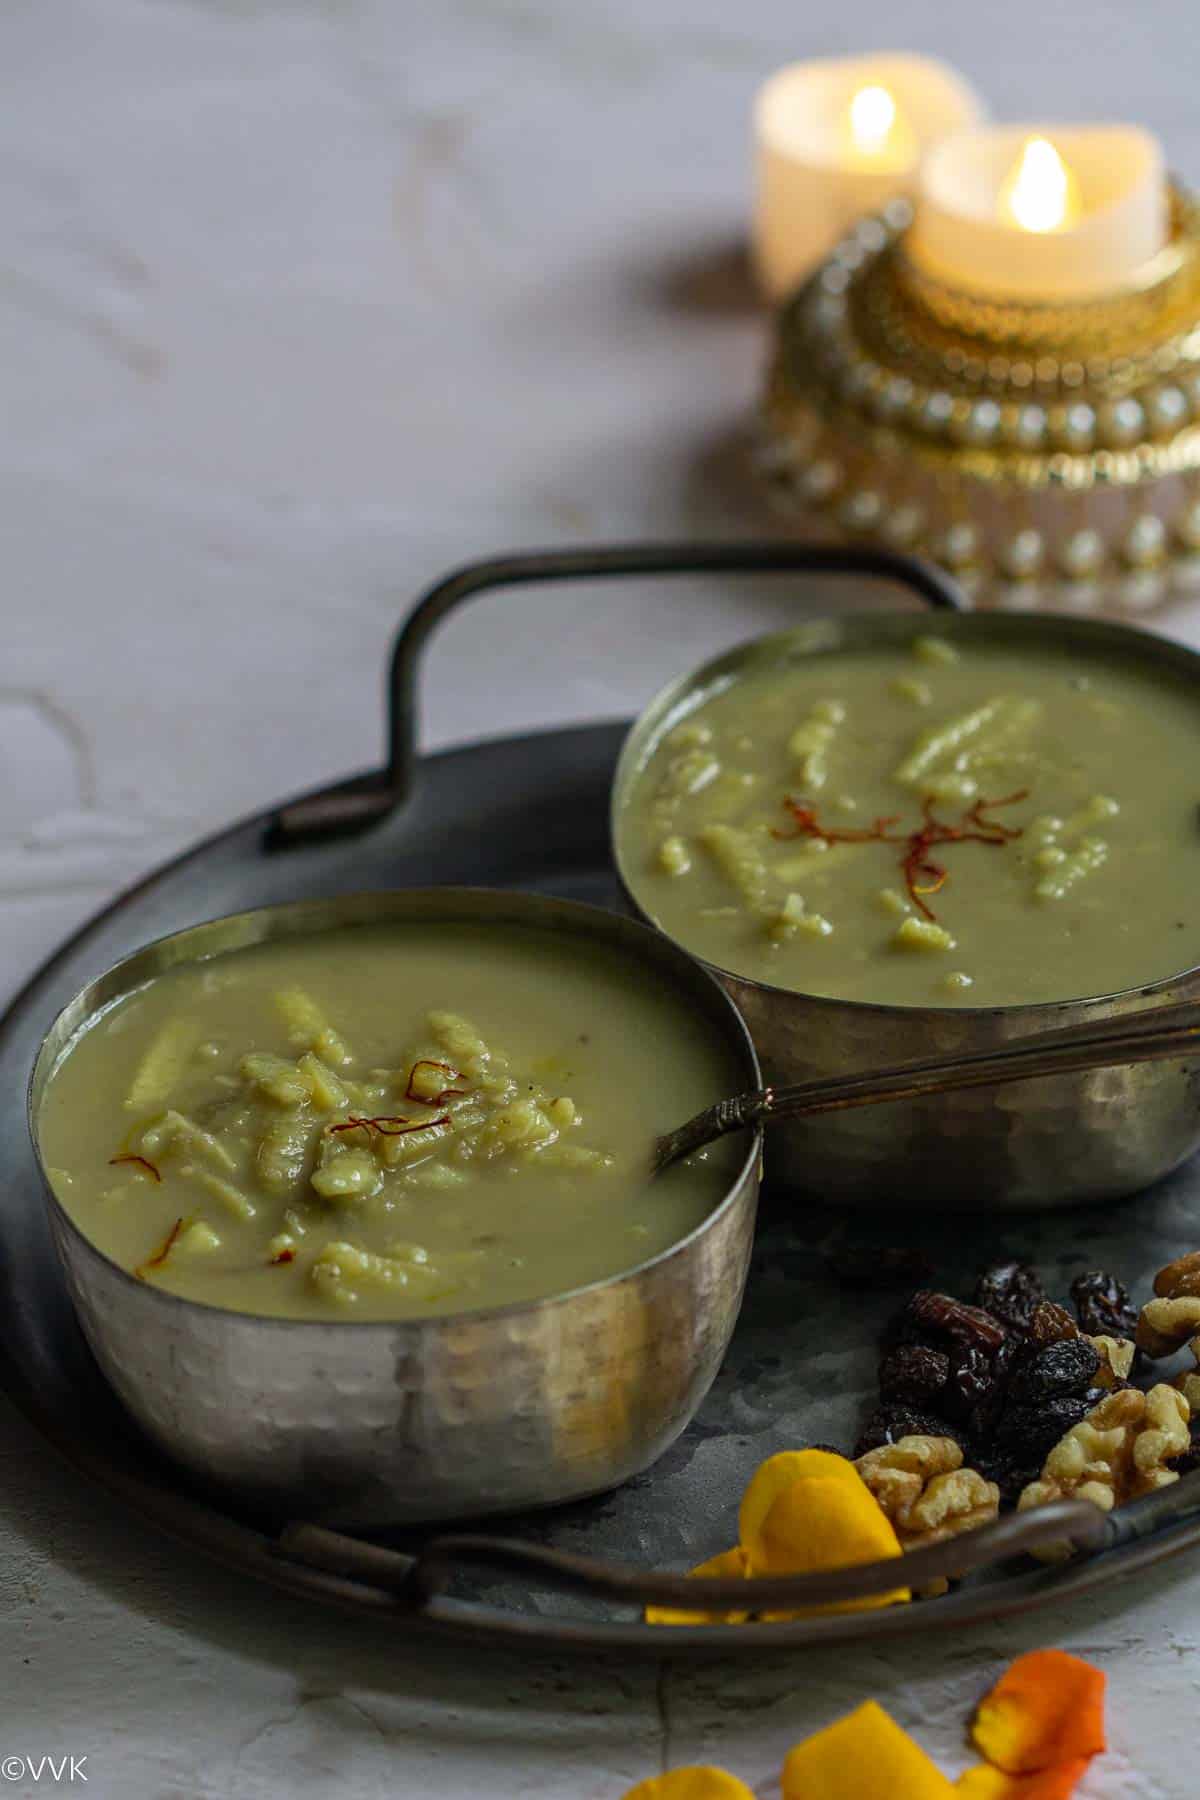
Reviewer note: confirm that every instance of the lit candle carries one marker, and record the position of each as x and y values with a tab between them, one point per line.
1041	192
838	138
1041	212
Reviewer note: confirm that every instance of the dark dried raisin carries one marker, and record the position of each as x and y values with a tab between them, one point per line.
889	1423
861	1266
982	1422
1027	1434
1051	1324
1010	1292
1103	1306
1010	1473
913	1374
972	1382
942	1315
1067	1367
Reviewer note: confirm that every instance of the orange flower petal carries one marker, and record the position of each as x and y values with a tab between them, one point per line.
1058	1782
729	1562
865	1756
1046	1709
697	1783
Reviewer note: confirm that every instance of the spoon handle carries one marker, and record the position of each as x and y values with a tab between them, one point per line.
1158	1033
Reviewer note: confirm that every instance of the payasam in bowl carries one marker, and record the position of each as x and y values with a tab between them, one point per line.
354	1197
895	841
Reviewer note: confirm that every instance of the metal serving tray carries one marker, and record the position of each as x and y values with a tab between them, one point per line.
532	812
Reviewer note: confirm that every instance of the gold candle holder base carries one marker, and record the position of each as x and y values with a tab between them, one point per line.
1044	453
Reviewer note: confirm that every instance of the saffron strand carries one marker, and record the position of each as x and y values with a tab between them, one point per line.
973	828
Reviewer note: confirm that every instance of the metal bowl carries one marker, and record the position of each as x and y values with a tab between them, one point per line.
1055	1142
453	1417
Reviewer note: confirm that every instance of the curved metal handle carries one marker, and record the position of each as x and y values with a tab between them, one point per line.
415	1580
359	804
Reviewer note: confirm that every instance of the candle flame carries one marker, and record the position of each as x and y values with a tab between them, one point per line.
1040	191
872	117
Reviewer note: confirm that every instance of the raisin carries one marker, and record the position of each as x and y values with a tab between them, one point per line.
858	1265
942	1315
1051	1324
1102	1305
913	1374
1010	1292
889	1423
972	1382
1011	1474
982	1421
1027	1434
1067	1367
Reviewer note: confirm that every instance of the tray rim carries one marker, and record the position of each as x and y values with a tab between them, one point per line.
250	1550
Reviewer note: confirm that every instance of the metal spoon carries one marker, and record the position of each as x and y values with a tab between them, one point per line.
1149	1036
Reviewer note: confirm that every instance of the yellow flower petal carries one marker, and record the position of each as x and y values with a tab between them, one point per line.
982	1782
775	1477
1058	1782
823	1517
865	1756
728	1563
697	1783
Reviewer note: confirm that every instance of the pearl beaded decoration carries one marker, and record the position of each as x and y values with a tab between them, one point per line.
997	437
1023	555
1144	545
1081	554
958	546
1187	526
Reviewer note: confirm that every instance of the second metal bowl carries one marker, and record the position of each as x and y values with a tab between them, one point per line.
1055	1142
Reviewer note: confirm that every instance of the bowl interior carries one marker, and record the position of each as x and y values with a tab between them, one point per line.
828	636
697	988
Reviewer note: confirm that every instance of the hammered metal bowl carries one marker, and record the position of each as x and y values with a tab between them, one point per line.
453	1417
1050	1142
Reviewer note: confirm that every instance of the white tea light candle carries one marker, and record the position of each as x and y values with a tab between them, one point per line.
1041	212
837	138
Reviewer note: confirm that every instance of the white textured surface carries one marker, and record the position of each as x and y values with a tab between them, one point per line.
301	304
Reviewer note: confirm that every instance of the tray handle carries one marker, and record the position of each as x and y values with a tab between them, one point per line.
366	801
415	1580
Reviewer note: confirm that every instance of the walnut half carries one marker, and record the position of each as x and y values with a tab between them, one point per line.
1173	1316
1189	1386
1116	1359
1122	1449
927	1494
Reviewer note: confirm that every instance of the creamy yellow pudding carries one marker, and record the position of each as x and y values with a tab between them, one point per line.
386	1122
938	823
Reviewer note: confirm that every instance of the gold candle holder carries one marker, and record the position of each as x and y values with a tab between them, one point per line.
1038	451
